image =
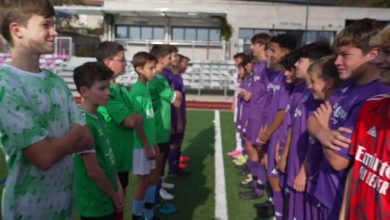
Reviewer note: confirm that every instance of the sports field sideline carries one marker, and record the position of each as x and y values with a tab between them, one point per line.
195	197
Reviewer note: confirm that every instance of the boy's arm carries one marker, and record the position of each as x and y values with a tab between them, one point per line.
99	177
180	124
246	95
46	153
283	160
346	197
177	99
301	178
278	120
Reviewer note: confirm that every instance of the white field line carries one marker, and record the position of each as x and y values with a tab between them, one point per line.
220	189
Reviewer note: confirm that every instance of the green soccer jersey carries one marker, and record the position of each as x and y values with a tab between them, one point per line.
162	96
140	97
35	106
91	201
115	112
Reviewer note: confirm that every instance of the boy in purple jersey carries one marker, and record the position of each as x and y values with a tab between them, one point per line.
324	80
178	117
301	106
353	63
257	93
238	58
277	99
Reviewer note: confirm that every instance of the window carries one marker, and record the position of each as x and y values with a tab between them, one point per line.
196	34
121	31
140	32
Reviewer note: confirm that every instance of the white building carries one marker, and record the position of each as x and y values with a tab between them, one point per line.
195	25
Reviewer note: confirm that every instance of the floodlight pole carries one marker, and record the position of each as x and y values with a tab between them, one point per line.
306	21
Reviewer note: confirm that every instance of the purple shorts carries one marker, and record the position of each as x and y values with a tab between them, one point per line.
296	204
272	171
253	129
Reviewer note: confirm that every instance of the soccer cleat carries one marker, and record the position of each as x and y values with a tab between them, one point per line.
265	210
237	155
166	185
248	179
166	195
184	159
240	161
182	166
136	217
247	185
167	209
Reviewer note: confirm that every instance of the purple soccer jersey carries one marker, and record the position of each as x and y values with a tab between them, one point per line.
176	82
346	104
243	107
302	105
257	103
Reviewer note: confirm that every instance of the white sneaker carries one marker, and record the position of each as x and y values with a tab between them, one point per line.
166	185
166	195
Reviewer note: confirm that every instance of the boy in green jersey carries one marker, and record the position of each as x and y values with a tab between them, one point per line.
99	193
118	113
40	123
144	155
163	97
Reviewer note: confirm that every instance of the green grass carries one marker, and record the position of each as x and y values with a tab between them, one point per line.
238	209
195	196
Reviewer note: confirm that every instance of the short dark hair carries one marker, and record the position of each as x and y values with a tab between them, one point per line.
248	58
108	50
21	11
358	34
288	61
141	58
88	73
286	41
239	55
315	51
160	51
173	49
261	38
182	57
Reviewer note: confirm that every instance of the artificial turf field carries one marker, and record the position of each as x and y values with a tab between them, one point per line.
195	196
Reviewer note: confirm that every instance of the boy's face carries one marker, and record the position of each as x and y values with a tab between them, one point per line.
174	58
98	94
290	76
241	71
317	86
149	70
117	64
182	66
237	61
382	61
249	67
165	61
37	36
351	61
277	53
257	49
301	66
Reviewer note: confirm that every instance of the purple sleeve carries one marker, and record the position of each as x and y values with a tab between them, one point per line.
283	98
349	123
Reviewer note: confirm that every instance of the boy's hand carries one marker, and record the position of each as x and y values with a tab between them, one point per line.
334	139
281	165
119	205
138	120
149	153
263	135
121	199
178	95
300	181
83	139
323	113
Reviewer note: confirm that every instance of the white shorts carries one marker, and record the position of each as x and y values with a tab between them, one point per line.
141	164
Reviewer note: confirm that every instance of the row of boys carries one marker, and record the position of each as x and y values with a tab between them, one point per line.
296	112
41	127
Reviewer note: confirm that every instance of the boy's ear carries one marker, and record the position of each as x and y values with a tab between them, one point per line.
329	83
83	91
373	53
106	61
15	30
137	69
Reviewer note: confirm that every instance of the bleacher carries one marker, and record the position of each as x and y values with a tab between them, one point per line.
201	76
